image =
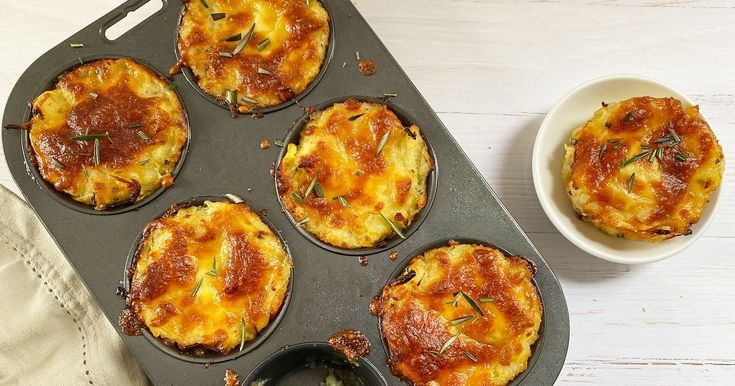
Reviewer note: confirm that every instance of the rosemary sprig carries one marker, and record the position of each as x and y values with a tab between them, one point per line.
57	163
393	226
213	271
455	301
318	190
631	181
96	152
680	156
676	138
343	201
469	355
472	302
264	43
242	334
355	117
660	153
311	186
89	137
143	135
234	38
297	197
240	46
449	342
459	320
195	291
218	15
382	143
635	158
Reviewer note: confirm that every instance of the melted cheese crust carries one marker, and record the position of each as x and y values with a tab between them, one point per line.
417	311
338	147
113	97
667	193
185	298
297	33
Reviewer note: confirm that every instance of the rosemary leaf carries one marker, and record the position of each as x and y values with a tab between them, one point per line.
279	142
96	152
382	143
302	222
393	226
134	125
472	302
680	156
264	43
449	342
602	150
204	3
311	186
614	140
234	38
76	45
636	157
631	181
247	99
242	334
356	117
88	137
660	153
232	97
57	163
469	355
195	291
244	41
487	300
234	198
318	190
93	95
218	15
343	201
676	138
460	320
263	71
297	197
143	135
225	54
390	95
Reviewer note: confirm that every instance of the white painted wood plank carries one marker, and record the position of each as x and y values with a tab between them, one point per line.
492	69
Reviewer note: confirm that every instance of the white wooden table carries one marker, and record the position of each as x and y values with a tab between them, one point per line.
491	69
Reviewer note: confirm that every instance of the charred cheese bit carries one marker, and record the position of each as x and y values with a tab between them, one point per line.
355	168
282	57
138	122
436	334
202	273
673	153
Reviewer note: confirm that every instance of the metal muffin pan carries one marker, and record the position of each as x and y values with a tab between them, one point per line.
330	290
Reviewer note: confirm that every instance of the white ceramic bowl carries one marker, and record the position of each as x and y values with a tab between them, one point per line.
572	111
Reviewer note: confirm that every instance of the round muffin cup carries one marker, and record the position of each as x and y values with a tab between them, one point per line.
308	363
207	356
536	348
63	198
192	79
294	136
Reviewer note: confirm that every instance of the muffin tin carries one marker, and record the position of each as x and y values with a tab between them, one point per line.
330	289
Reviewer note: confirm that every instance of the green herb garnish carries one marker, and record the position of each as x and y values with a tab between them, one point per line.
468	355
234	38
76	45
134	125
96	152
631	181
213	272
225	54
392	225
635	158
247	99
356	117
460	320
143	135
660	153
89	137
487	300
218	16
263	71
279	142
264	43
57	163
204	3
318	190
311	185
472	302
680	156
244	41
390	95
602	150
449	342
297	197
382	143
195	291
232	97
343	201
614	140
674	136
242	334
93	95
302	222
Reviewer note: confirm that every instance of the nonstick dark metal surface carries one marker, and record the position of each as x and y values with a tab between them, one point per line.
331	290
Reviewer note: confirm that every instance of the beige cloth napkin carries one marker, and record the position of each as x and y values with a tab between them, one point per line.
52	332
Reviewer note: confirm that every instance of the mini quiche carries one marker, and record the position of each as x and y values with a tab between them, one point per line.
210	276
643	168
461	314
253	54
108	134
357	176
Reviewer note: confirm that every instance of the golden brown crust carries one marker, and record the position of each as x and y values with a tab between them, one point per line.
339	149
231	378
139	123
202	272
679	164
434	333
269	71
351	343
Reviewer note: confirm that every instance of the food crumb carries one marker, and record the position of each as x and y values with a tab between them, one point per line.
368	67
351	343
363	261
264	144
394	255
231	378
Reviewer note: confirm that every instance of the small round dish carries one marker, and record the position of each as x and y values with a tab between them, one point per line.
572	111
